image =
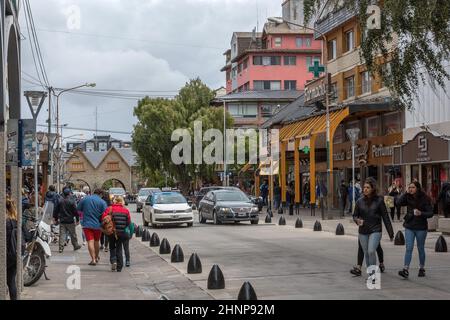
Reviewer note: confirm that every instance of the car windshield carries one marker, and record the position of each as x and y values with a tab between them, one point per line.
231	196
119	191
145	192
168	198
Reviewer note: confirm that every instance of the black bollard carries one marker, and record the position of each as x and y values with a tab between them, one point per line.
441	245
317	226
194	264
177	254
164	248
215	279
399	239
268	219
280	210
139	232
299	223
247	292
282	221
340	230
154	241
146	236
291	209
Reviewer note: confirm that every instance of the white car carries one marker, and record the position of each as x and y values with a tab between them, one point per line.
167	208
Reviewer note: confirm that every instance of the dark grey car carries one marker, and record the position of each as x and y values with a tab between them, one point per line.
227	206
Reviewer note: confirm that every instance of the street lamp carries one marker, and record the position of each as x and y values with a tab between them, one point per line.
353	135
57	114
327	88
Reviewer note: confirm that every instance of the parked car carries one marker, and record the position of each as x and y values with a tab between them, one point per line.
118	192
142	197
203	191
167	208
227	206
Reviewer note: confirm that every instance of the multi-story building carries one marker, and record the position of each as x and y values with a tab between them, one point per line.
265	71
357	100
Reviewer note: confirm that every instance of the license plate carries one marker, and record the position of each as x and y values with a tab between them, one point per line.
242	214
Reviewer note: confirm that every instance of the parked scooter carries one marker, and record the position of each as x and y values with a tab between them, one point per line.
38	249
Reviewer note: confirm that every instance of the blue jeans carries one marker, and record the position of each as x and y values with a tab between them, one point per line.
369	244
421	236
276	202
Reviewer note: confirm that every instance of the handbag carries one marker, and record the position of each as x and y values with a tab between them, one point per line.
389	201
129	231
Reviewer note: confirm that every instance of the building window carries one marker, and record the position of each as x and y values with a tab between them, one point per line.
247	86
240	68
257	60
366	80
278	42
266	60
308	62
308	42
266	85
116	145
290	85
90	147
332	49
77	167
290	61
350	87
299	42
243	110
266	111
372	127
102	146
391	123
112	166
349	40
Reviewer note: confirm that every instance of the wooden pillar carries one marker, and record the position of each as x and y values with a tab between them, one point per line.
297	171
283	170
312	168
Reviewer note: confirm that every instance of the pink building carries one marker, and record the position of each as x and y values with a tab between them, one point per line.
278	60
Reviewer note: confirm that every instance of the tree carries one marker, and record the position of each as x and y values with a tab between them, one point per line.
419	29
157	120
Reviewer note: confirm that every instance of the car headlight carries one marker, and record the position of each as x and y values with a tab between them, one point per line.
159	211
225	210
188	210
44	236
255	209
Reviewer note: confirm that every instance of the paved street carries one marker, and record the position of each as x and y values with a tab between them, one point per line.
281	262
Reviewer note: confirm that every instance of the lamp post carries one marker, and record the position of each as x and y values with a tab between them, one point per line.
39	138
327	95
57	118
353	135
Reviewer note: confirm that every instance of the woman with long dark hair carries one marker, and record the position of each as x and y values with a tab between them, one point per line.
370	209
419	209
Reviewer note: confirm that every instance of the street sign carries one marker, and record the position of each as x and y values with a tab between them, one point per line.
27	151
316	69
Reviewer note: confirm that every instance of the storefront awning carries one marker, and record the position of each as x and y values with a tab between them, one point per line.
312	125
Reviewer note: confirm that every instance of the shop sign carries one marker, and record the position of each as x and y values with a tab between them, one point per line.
361	153
379	151
425	147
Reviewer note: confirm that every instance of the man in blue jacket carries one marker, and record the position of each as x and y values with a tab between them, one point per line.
92	208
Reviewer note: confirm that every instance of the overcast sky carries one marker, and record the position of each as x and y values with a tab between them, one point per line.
132	45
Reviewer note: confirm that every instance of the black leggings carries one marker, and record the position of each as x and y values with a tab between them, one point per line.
104	240
393	212
11	280
380	254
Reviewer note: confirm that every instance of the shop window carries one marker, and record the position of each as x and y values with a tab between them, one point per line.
332	49
391	123
372	127
339	134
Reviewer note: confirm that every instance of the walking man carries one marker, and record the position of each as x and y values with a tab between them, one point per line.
92	208
66	215
343	194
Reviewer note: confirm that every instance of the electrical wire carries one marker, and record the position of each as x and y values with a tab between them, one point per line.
88	129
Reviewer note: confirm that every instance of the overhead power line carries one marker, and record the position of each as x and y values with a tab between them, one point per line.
87	129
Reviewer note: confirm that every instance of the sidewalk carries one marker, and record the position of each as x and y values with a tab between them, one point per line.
333	218
147	279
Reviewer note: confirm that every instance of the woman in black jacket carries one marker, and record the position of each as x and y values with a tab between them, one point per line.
11	246
369	211
419	209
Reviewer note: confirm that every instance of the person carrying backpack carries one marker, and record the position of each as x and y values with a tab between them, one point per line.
444	199
11	248
115	221
66	214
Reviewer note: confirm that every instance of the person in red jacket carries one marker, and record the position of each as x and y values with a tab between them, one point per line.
122	219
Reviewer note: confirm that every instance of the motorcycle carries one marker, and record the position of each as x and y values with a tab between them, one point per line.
38	249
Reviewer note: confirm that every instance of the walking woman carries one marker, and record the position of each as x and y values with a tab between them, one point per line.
11	246
122	219
356	271
395	191
104	238
419	209
369	211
